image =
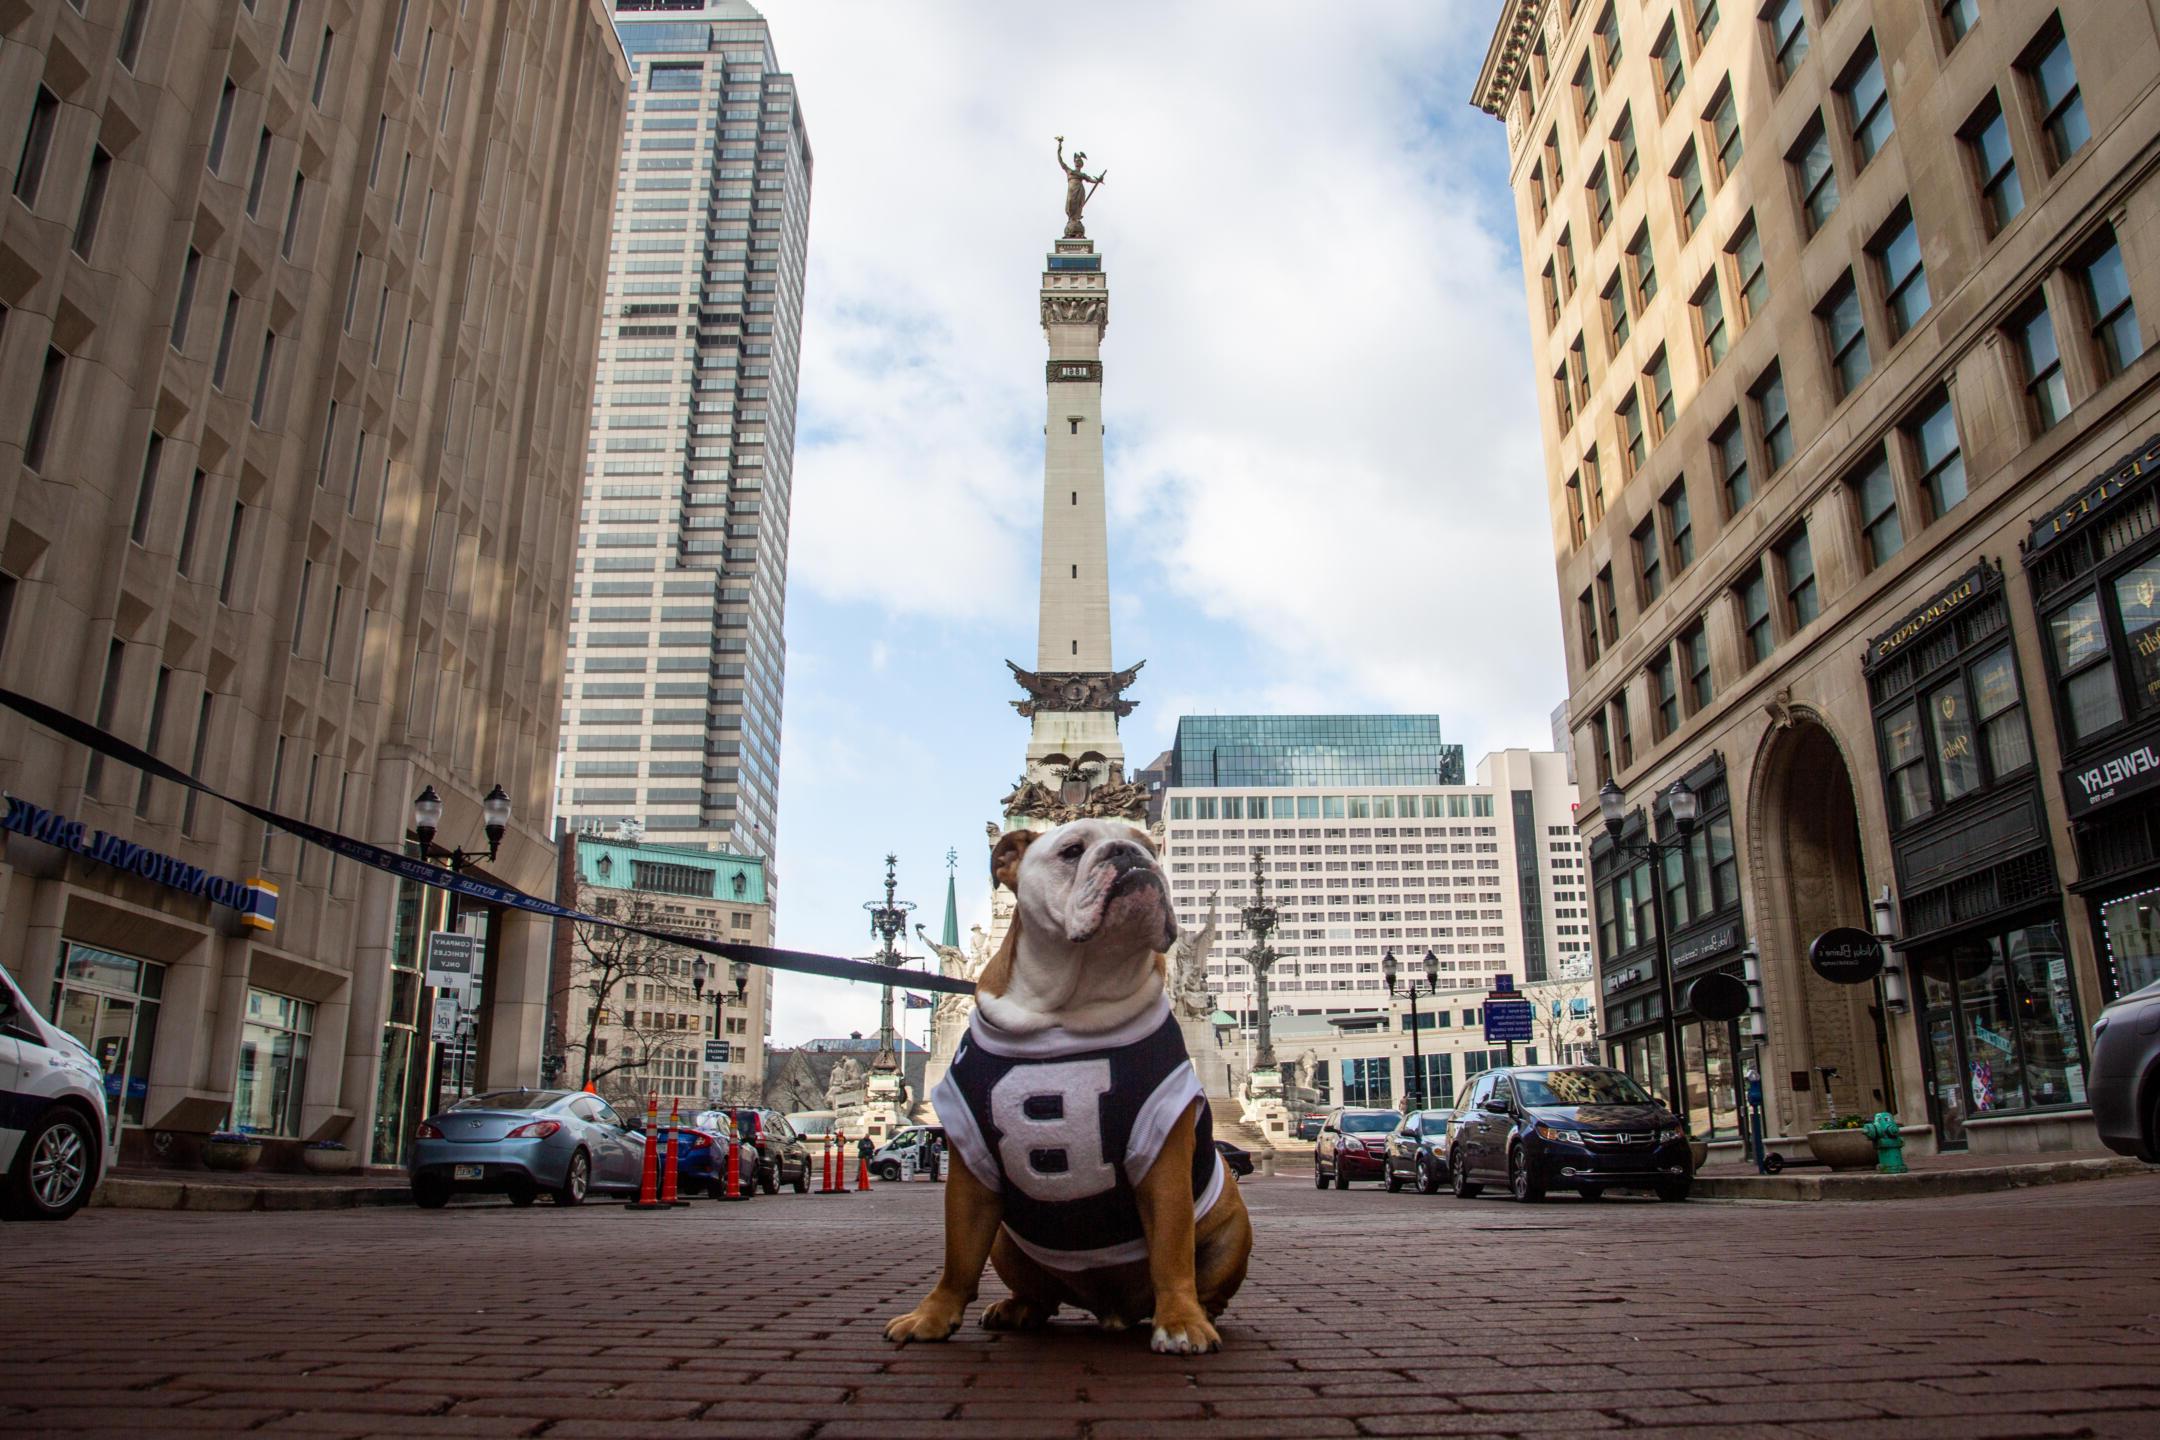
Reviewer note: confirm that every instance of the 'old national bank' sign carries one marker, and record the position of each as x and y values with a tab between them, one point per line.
255	899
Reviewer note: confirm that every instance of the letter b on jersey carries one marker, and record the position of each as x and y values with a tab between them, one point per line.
1049	1122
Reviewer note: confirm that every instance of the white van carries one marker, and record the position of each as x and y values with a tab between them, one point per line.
52	1114
907	1140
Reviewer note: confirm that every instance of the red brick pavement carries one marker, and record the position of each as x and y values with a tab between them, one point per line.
2031	1313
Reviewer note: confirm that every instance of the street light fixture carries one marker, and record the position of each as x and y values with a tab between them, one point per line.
1896	995
1684	806
1391	971
427	812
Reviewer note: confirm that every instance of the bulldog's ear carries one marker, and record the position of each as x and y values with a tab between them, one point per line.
1147	840
1005	857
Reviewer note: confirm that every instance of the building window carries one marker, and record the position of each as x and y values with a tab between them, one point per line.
1815	173
1932	432
1626	160
223	359
1687	181
1552	296
1730	442
1679	527
110	1002
274	1036
1577	530
1601	746
1672	73
1579	369
1665	690
292	215
1600	203
1987	146
1616	315
1867	103
1896	252
2047	392
1754	596
1659	379
1564	252
260	174
1608	606
1585	94
184	303
1796	560
1958	18
221	127
36	146
1695	648
1904	753
131	33
2053	78
2084	665
1773	419
1586	619
2005	1008
93	201
1706	18
1747	258
1552	159
44	409
1846	335
1642	268
1608	41
1629	417
1563	399
1623	733
1875	497
2105	286
1787	24
1723	119
1538	204
260	404
1593	484
1709	305
1649	563
322	66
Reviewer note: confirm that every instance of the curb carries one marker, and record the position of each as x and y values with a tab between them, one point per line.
1919	1184
129	1193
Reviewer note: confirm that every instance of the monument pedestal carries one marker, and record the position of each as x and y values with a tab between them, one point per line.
884	1105
1266	1109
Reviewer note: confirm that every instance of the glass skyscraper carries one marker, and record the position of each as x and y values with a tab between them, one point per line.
672	706
1313	750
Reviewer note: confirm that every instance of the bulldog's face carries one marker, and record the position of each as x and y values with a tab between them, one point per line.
1093	912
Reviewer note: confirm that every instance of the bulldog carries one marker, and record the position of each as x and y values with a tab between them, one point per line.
1083	1163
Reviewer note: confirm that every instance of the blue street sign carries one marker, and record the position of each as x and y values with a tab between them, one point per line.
1507	1020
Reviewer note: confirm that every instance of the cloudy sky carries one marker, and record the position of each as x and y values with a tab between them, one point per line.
1325	489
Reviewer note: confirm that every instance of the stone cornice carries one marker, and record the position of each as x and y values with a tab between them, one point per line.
1504	59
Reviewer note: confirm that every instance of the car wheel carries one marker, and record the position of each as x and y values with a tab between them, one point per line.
1591	1192
771	1179
1342	1178
1428	1176
888	1170
1673	1191
1394	1181
802	1179
1523	1185
522	1193
2151	1153
53	1168
576	1180
1459	1177
430	1192
1319	1178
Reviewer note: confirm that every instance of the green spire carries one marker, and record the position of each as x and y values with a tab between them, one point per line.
951	933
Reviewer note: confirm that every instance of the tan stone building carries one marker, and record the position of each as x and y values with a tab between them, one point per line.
633	1016
298	307
1841	315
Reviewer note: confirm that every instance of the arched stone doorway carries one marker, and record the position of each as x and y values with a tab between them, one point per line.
1810	878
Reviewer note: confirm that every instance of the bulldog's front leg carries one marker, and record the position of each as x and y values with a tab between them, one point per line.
1166	1213
971	1225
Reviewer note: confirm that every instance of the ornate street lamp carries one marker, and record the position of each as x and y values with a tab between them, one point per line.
888	921
427	812
1391	972
1260	919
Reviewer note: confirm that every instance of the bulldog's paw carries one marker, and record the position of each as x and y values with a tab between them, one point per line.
1015	1313
1185	1334
934	1319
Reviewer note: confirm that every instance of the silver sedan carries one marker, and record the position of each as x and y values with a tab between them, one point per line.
522	1142
2126	1074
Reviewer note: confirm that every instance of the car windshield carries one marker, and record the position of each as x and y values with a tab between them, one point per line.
1367	1124
510	1100
1579	1087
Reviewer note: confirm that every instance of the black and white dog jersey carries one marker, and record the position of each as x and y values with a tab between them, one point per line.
1065	1125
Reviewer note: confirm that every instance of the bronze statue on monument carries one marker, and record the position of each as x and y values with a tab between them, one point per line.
1079	189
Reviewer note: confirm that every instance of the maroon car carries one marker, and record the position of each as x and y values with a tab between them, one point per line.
1353	1146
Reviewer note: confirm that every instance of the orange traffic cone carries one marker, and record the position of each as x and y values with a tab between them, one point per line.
649	1186
667	1159
827	1185
862	1170
734	1169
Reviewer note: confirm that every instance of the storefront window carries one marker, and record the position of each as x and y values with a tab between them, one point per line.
1905	764
2081	659
2132	928
1365	1082
1966	732
1951	723
273	1064
1706	1058
2137	600
2046	1011
110	1003
1999	1017
1994	1073
2001	709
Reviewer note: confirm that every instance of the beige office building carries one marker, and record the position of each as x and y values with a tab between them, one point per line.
298	307
1841	317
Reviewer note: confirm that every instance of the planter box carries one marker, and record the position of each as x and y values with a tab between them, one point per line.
1843	1149
328	1162
1698	1154
231	1154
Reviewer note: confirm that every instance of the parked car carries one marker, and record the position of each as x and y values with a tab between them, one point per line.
885	1161
1417	1151
1351	1145
701	1157
1308	1126
519	1143
1236	1157
2125	1088
783	1159
52	1114
1586	1128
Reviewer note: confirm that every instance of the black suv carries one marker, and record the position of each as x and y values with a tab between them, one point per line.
1417	1151
1586	1128
782	1156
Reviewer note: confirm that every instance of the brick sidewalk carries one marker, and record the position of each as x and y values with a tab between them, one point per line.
2020	1314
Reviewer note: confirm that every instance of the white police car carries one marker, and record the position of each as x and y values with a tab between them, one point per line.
52	1114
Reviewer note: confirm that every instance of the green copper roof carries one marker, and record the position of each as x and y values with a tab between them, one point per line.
671	869
950	935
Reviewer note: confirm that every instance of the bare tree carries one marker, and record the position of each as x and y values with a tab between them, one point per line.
604	963
1566	1013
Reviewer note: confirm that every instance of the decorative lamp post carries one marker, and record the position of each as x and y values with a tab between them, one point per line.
427	813
702	970
1392	973
888	921
1260	919
1684	806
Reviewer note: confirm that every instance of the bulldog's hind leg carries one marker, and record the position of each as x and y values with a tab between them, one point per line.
1224	1250
1036	1290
